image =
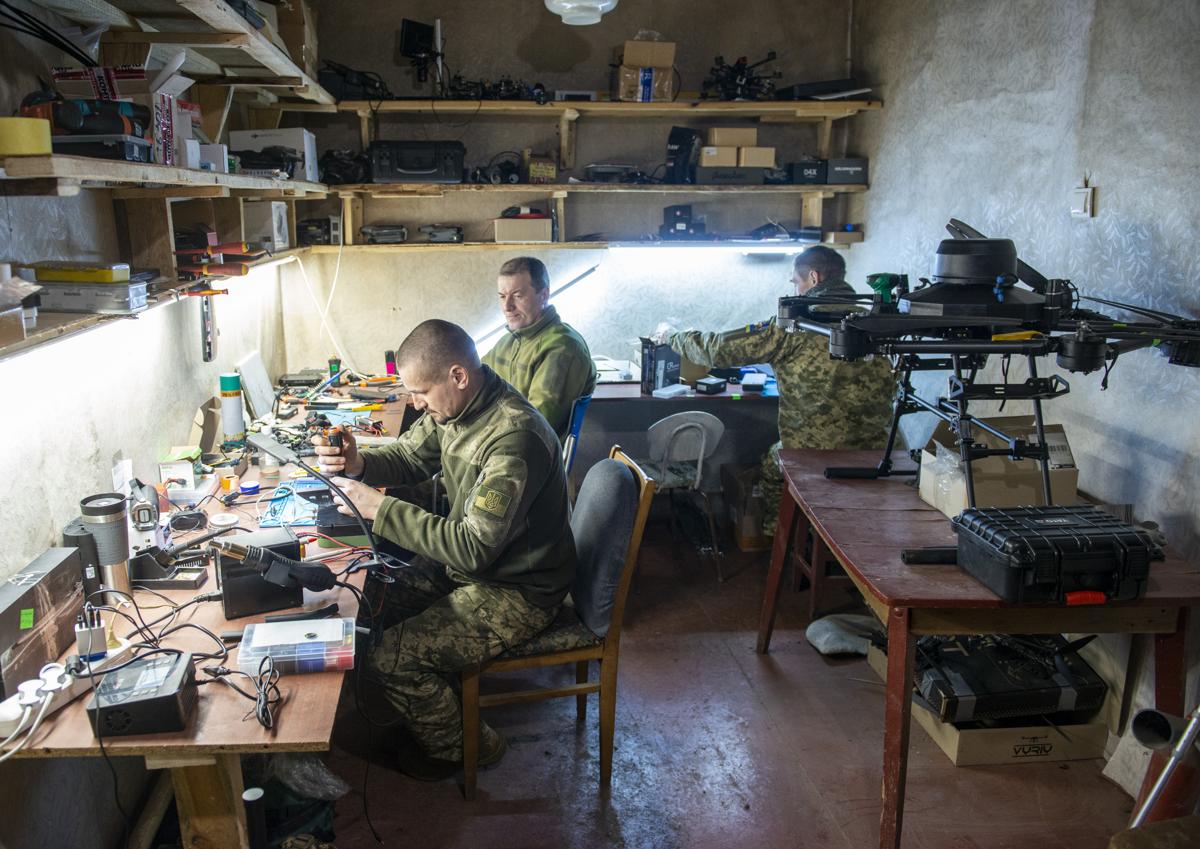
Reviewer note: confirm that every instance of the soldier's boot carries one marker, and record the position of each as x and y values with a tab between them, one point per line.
416	764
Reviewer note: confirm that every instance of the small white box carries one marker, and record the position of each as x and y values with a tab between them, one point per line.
214	157
265	222
191	153
297	138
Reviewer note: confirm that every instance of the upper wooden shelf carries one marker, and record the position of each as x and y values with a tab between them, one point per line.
222	47
433	190
766	110
64	176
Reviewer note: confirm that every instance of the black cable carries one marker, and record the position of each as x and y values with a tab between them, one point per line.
267	696
46	33
126	825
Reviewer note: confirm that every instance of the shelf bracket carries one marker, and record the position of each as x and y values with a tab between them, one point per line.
566	138
812	207
824	138
214	101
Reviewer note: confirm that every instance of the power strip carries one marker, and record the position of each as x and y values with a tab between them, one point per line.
52	678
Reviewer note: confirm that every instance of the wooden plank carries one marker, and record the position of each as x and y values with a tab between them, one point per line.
567	122
404	190
1046	620
177	192
214	102
812	210
90	12
141	836
124	53
209	799
824	138
221	17
166	760
111	171
523	696
228	220
178	39
151	235
264	119
255	81
718	110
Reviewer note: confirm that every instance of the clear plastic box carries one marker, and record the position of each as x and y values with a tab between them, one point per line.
314	645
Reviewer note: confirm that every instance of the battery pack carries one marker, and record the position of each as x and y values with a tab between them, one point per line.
320	645
124	148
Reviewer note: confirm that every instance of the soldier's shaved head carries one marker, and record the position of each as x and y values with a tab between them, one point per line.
434	347
825	261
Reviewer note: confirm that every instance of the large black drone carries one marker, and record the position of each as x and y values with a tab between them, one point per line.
983	300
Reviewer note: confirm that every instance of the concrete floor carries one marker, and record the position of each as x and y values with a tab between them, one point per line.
719	747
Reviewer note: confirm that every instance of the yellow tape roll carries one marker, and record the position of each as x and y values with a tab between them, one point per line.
24	136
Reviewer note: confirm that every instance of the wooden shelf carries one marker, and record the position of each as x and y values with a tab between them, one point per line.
420	190
221	46
64	176
766	110
567	113
419	247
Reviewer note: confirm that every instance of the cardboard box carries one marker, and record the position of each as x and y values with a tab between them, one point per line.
969	744
214	157
756	157
718	157
745	505
648	54
999	482
297	138
847	171
265	222
507	230
643	85
37	615
733	136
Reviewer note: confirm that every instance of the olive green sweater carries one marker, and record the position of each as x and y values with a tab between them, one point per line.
549	363
501	467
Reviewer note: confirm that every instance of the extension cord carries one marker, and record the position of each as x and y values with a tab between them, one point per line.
12	708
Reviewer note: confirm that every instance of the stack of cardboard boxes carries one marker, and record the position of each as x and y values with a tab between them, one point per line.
645	71
735	147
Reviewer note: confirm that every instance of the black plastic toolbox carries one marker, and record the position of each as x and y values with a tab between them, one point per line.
1065	555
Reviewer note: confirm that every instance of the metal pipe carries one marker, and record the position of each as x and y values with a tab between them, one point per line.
1186	740
1040	425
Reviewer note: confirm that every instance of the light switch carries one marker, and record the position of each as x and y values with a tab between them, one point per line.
1083	202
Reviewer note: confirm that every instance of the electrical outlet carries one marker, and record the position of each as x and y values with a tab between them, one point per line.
1083	202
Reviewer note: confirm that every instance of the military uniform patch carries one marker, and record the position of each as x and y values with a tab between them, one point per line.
491	501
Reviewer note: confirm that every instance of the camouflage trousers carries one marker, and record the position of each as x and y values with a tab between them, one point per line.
434	627
772	488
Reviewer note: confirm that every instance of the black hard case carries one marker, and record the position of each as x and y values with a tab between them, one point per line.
1040	554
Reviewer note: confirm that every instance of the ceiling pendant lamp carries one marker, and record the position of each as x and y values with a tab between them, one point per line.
580	12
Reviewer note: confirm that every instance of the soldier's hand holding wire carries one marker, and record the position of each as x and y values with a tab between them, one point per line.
335	459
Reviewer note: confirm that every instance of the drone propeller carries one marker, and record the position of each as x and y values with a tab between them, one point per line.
1028	275
900	324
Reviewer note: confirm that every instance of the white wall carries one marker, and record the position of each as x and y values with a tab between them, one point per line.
131	386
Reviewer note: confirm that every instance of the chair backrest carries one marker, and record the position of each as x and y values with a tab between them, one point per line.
689	436
578	410
610	515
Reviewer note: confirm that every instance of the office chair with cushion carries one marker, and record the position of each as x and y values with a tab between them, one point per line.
679	446
610	514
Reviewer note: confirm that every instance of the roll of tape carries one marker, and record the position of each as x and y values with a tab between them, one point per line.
223	520
24	136
249	488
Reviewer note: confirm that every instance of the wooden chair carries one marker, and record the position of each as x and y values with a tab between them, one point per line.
610	515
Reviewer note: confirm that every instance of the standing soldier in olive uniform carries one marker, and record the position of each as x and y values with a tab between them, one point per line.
540	355
488	576
823	403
